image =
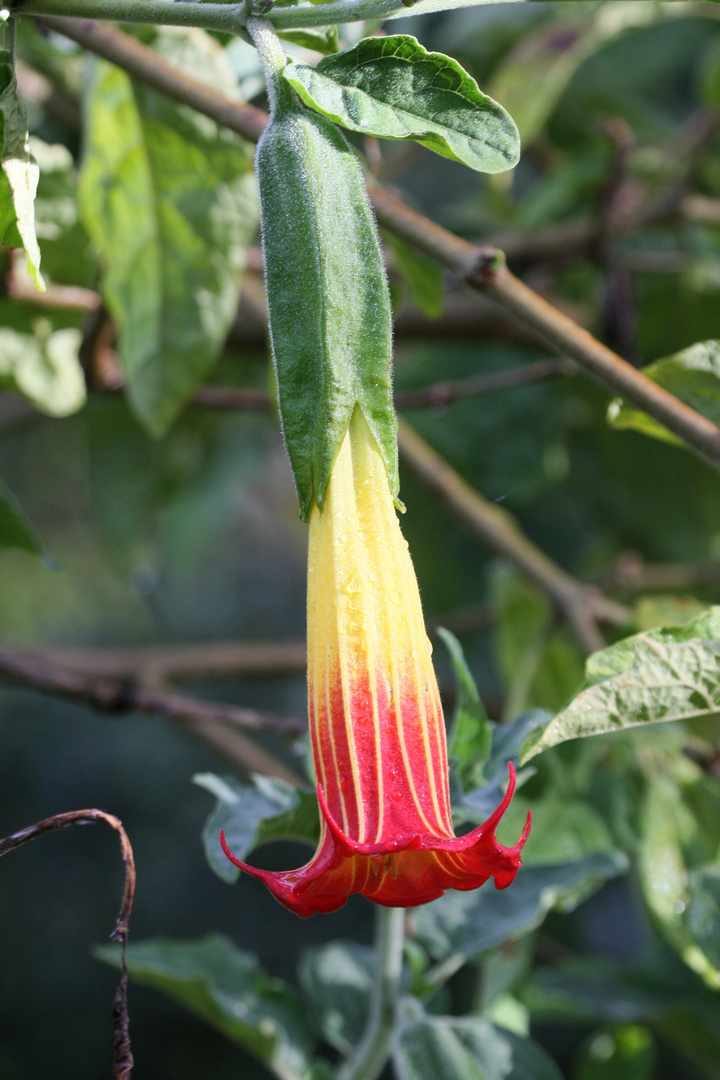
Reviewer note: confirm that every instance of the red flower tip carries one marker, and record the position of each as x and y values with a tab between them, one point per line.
399	871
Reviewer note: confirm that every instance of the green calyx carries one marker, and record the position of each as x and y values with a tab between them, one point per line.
328	300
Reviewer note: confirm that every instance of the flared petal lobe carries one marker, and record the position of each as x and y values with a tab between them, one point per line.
376	722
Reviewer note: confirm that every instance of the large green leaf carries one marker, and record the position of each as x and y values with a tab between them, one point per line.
393	88
228	989
19	180
672	673
685	904
692	375
660	991
464	1048
250	816
16	529
473	923
169	200
471	734
338	980
44	367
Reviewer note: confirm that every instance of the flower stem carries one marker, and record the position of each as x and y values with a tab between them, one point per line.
371	1053
273	60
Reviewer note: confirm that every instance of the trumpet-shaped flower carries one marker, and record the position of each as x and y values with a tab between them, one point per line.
376	723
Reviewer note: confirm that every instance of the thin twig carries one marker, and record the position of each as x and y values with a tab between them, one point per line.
435	396
485	269
118	695
631	574
568	239
438	395
147	65
154	664
122	1053
209	721
445	393
583	606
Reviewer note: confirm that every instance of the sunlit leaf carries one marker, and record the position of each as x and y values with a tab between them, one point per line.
668	674
393	88
169	200
19	180
44	367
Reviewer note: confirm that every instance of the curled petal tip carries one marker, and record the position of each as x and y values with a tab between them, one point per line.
526	831
233	858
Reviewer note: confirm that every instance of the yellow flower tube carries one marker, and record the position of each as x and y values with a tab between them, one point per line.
376	723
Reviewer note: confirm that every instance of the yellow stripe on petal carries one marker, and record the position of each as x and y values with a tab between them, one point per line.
365	619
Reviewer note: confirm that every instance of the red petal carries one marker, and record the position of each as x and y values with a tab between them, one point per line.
403	872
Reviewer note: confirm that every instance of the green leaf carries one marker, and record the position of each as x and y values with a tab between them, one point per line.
471	734
582	989
686	906
472	923
16	529
250	816
692	375
423	277
169	200
393	88
228	989
44	367
563	829
668	674
665	610
320	41
540	666
464	1048
338	980
703	912
624	1052
533	77
661	992
661	864
508	740
20	173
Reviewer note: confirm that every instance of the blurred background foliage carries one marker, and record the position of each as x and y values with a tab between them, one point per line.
613	214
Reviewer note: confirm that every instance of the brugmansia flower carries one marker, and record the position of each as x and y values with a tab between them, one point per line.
376	723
